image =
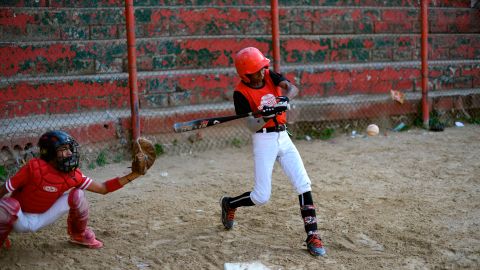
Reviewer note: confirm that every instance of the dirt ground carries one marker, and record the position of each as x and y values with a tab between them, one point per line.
408	200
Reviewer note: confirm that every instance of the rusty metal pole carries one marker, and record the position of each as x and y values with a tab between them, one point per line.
275	35
132	68
424	53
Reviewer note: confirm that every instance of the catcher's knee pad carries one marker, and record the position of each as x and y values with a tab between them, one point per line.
78	213
77	200
9	208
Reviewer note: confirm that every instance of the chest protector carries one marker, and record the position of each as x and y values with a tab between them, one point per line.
45	186
265	96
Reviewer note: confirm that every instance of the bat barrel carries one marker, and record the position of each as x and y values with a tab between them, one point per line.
206	122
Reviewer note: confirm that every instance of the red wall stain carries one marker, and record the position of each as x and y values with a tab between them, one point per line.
9	18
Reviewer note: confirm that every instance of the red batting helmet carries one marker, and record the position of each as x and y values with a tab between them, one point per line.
248	61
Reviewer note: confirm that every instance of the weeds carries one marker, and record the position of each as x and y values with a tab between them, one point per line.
237	142
3	174
118	158
159	149
91	166
326	133
322	134
101	159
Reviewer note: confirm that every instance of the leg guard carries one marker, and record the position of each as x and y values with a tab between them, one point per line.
9	208
309	219
78	219
307	209
314	242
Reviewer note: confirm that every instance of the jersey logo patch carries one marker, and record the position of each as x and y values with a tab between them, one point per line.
267	100
50	189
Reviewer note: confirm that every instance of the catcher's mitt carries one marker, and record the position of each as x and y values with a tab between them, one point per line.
143	156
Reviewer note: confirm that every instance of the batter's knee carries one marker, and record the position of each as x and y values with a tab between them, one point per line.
260	199
306	187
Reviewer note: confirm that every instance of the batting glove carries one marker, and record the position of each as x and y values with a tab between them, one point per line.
283	103
283	99
269	112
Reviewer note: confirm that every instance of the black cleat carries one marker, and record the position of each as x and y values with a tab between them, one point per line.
228	214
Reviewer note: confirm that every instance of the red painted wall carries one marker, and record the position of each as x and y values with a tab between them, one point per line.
59	57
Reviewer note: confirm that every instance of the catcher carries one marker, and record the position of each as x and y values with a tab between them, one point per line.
48	187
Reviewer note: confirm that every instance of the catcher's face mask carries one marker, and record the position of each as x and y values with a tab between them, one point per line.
60	147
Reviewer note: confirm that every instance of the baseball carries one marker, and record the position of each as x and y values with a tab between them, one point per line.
372	130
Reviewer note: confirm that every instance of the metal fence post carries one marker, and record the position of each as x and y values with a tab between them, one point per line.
132	68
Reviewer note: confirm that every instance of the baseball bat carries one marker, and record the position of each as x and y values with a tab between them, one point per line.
208	122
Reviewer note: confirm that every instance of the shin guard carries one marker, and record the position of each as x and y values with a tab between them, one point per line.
309	219
77	221
9	208
307	209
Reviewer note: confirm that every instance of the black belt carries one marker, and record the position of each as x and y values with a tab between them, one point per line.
279	128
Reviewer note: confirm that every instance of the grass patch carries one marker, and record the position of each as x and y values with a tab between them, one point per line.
473	120
118	158
434	121
313	133
326	134
101	159
91	166
3	174
237	142
159	149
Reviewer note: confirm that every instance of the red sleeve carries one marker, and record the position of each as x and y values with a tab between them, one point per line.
84	182
19	179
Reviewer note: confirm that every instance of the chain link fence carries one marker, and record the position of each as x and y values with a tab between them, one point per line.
104	134
354	66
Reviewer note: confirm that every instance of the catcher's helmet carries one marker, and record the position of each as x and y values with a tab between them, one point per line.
50	141
248	61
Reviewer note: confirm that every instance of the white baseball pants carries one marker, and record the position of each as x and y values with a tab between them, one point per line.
267	148
28	222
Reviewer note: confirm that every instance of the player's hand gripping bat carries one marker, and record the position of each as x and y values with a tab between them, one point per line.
207	122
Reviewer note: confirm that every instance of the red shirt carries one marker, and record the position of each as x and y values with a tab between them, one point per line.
38	185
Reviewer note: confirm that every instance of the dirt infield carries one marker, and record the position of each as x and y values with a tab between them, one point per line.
407	200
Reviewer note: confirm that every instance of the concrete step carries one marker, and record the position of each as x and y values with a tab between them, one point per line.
55	24
198	52
24	96
172	3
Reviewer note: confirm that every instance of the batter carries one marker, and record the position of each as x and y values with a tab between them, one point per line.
266	90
